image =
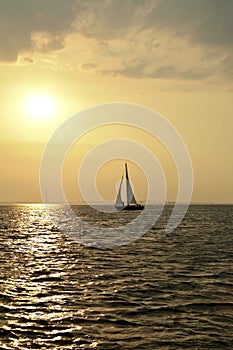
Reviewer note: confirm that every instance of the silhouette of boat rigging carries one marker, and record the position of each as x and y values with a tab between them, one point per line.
131	203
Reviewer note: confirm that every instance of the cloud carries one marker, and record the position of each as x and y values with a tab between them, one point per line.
207	22
20	20
169	39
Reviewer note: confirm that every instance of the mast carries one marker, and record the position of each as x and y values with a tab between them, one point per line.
126	172
127	183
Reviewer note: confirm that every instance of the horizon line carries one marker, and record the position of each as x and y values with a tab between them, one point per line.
100	204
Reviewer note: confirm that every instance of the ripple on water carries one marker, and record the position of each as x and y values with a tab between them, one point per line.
163	291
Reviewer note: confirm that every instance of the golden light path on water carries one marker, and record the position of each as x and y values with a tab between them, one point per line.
37	270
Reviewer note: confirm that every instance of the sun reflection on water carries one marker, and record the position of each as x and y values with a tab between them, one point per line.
41	293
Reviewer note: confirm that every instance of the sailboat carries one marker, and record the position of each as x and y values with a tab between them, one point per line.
131	203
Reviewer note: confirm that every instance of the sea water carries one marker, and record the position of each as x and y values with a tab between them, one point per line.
162	291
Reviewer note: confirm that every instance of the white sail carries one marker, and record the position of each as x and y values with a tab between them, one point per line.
119	201
129	192
130	196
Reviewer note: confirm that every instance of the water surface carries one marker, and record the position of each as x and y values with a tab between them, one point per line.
163	291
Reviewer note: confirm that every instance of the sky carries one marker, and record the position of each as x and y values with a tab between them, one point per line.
172	56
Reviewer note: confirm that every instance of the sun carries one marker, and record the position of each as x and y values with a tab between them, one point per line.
41	106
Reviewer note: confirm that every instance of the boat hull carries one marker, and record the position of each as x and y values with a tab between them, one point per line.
130	207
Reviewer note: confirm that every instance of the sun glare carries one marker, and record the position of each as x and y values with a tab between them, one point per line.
41	106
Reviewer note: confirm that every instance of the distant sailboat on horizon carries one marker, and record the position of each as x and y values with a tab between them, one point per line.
131	203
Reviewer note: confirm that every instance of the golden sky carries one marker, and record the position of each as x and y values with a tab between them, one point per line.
58	57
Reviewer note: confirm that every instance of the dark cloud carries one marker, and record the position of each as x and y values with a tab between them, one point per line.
203	24
20	19
120	27
204	21
109	18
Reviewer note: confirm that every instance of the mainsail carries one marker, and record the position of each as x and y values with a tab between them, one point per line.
130	196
